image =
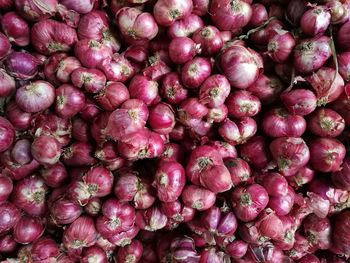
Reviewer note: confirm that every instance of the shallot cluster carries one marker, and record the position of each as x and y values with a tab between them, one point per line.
197	131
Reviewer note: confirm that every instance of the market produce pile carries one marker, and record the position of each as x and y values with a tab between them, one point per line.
174	131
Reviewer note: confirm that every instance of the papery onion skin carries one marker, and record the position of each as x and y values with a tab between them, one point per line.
182	49
299	101
9	216
327	154
341	232
21	65
36	10
315	21
28	229
195	72
7	134
49	36
167	11
242	104
5	46
198	197
341	178
36	96
249	201
343	35
326	123
46	150
16	29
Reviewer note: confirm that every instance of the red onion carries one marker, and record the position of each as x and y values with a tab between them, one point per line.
339	12
200	7
185	27
64	211
28	229
302	177
315	21
78	154
90	110
218	114
318	231
136	26
36	10
69	101
182	49
5	46
239	170
54	175
20	152
191	109
44	249
140	145
275	184
99	181
49	124
81	130
6	4
342	36
18	118
172	89
238	132
112	96
214	90
248	202
242	104
326	154
209	39
282	204
161	118
46	150
14	170
326	89
29	195
227	15
295	11
21	65
130	253
280	45
65	68
130	118
6	187
240	65
195	71
344	65
326	123
290	154
255	152
151	219
169	181
93	25
311	54
279	123
144	89
259	15
92	53
341	178
93	207
93	80
49	36
81	233
9	216
129	187
299	101
198	197
237	249
36	96
7	244
82	7
16	29
7	133
7	84
341	232
266	88
166	12
117	68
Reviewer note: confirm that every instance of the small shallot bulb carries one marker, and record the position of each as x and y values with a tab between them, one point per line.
327	154
5	46
7	84
214	90
310	54
92	80
275	184
151	219
6	187
255	152
280	46
267	88
166	12
239	170
230	15
99	181
239	131
299	101
198	197
182	49
162	118
326	123
290	154
195	71
172	89
16	29
210	40
242	104
37	96
259	15
315	21
28	229
112	96
130	253
46	150
240	65
279	122
7	134
69	101
21	152
185	27
143	88
344	65
248	202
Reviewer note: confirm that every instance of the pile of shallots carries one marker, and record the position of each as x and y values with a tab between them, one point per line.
180	131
